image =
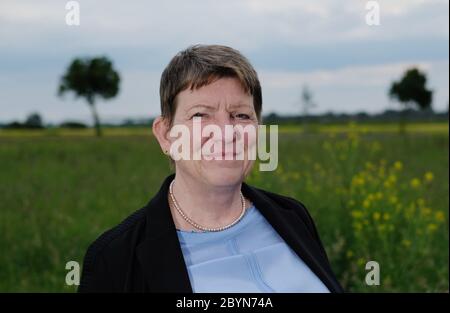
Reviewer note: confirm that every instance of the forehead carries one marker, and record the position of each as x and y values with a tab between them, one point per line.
228	91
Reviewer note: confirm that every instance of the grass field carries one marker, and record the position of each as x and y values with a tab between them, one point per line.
374	194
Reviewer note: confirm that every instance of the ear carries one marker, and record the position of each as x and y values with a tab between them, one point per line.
161	131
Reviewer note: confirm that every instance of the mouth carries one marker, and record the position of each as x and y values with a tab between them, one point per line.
223	156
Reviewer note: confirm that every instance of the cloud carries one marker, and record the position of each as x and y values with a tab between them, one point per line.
350	89
249	24
325	43
357	76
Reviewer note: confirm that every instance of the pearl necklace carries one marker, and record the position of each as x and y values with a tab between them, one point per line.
198	226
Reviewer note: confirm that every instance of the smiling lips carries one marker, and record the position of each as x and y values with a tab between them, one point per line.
224	155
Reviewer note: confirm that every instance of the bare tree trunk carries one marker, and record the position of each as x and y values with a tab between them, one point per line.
403	119
98	131
402	126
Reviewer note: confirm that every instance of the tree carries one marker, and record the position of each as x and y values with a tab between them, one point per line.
307	103
91	79
307	100
33	120
411	91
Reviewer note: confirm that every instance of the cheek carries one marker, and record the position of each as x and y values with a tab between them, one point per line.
250	138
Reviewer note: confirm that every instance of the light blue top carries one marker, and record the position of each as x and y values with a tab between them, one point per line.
250	256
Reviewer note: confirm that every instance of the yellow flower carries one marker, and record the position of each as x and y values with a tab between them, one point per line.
425	211
357	214
366	203
431	227
357	226
376	216
386	216
358	181
398	165
439	215
392	178
406	243
379	195
360	262
420	202
381	228
393	199
415	183
429	176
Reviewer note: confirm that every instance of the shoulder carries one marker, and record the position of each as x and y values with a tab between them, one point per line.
111	250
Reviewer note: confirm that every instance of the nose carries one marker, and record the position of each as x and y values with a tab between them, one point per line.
227	139
225	122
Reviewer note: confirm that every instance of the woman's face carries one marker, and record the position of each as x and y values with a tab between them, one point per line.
223	102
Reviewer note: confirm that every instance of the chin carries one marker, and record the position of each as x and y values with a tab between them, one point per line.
224	174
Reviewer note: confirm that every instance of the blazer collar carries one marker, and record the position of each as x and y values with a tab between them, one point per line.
161	257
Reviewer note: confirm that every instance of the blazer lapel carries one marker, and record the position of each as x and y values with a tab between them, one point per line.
160	255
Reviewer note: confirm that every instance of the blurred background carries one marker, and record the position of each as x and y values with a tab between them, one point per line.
359	89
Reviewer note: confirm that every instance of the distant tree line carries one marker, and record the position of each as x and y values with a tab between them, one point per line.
411	115
35	121
96	78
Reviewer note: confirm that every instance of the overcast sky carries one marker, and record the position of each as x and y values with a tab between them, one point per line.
325	44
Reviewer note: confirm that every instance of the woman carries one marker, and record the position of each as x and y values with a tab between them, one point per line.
206	230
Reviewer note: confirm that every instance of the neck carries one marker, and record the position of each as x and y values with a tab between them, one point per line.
210	206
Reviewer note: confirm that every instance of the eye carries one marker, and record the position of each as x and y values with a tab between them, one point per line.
198	114
242	116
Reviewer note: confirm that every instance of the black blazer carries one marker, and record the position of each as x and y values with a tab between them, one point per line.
143	254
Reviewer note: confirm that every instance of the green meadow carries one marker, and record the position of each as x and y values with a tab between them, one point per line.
375	195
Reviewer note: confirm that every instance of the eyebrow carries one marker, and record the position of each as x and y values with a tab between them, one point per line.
239	105
201	105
